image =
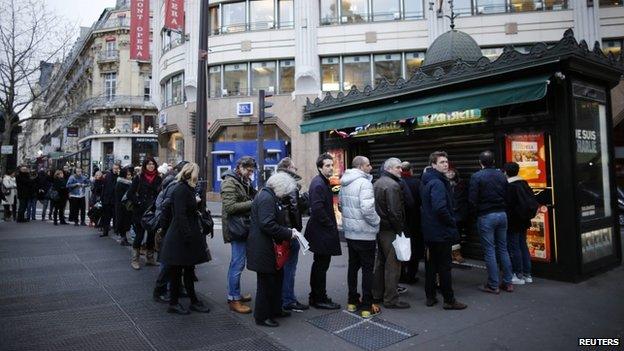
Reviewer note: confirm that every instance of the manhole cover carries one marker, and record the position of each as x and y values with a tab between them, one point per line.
369	334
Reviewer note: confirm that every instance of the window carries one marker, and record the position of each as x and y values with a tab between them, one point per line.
605	3
175	148
136	124
287	76
461	7
215	22
386	10
108	123
174	90
149	124
413	61
330	74
263	76
387	67
147	81
555	5
110	85
354	11
233	17
356	70
111	49
329	12
490	6
177	93
262	14
286	14
612	46
525	5
414	9
171	39
214	81
235	79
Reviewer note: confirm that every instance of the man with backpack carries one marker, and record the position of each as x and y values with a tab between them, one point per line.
521	208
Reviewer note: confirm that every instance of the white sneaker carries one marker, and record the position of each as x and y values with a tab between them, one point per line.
527	278
516	281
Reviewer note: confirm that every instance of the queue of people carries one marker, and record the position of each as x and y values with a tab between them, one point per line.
165	209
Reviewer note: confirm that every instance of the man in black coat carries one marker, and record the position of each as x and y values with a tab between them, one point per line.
412	211
439	230
108	198
25	189
322	233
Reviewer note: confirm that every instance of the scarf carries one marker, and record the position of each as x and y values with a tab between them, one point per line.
406	174
150	175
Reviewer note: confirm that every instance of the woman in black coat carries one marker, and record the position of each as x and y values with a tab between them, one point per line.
269	226
142	194
123	217
184	245
44	183
58	203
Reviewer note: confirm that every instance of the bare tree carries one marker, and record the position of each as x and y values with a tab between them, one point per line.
29	34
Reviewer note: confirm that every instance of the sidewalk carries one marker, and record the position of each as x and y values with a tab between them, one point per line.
63	288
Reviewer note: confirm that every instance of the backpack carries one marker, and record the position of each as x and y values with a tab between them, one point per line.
527	205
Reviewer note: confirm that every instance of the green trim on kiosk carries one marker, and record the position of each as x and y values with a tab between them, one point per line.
518	91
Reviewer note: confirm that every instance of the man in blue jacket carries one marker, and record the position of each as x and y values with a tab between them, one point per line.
486	195
439	230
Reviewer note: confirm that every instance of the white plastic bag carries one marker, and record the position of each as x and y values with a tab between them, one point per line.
402	247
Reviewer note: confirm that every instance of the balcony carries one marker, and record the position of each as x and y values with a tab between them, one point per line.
118	22
108	56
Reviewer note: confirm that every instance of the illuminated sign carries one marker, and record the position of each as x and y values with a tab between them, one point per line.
438	120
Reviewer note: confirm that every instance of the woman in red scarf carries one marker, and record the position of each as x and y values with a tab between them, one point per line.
142	194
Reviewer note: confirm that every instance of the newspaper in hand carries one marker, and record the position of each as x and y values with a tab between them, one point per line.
305	246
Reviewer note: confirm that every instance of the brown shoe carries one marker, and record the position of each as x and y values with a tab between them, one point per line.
134	261
457	257
149	258
239	307
245	298
506	287
455	305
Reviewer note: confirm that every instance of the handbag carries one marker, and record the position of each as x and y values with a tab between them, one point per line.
53	194
282	253
206	223
127	203
238	227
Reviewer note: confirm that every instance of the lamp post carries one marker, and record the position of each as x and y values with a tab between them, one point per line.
201	125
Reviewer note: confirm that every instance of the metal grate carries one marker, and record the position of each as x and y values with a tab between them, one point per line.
368	334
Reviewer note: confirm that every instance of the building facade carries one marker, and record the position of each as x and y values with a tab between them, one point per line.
98	101
305	49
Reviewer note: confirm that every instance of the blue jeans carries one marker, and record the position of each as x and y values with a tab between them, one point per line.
493	235
31	209
519	252
290	268
237	264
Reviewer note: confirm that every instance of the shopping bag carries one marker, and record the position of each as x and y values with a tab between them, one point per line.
402	247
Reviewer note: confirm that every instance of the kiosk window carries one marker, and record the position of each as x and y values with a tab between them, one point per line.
221	170
592	160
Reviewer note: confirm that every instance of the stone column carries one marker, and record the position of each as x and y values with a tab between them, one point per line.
307	66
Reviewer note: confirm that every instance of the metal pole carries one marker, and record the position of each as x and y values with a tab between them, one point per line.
260	139
201	123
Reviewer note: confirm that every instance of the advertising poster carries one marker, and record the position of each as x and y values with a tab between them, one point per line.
334	181
140	30
538	236
174	15
528	151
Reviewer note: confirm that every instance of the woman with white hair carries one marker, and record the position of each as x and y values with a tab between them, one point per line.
268	228
184	245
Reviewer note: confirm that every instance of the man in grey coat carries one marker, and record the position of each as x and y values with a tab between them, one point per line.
360	223
390	207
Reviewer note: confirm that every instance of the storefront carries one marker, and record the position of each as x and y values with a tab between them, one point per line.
548	110
143	147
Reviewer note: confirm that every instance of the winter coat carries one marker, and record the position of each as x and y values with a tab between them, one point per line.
143	194
60	185
413	212
389	203
25	186
438	221
236	197
123	218
9	184
460	201
487	192
44	183
514	201
360	221
109	180
184	244
77	185
268	226
322	229
295	203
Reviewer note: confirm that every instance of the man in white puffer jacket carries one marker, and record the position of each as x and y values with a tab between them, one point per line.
360	223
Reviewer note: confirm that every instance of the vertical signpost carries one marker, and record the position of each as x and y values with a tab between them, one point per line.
140	30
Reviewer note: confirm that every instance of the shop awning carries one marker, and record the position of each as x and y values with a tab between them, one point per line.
518	91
